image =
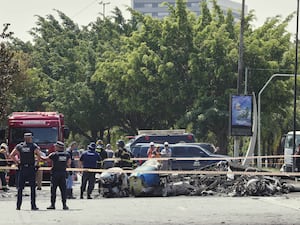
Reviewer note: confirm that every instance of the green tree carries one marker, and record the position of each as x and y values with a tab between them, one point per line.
8	71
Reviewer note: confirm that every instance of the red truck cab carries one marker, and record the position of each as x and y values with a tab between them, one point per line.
46	127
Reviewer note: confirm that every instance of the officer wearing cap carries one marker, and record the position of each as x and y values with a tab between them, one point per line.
24	156
60	161
89	160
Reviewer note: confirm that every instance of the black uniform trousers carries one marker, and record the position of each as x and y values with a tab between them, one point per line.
58	179
88	177
26	173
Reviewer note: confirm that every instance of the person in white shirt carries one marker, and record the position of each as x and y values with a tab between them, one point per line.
166	152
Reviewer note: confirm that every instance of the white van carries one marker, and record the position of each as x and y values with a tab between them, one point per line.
288	150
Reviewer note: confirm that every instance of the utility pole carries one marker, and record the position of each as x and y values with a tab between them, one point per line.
240	71
295	87
103	7
241	51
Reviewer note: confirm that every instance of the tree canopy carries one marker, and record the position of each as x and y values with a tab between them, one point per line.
146	73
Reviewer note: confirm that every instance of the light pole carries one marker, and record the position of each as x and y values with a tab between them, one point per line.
259	163
240	72
103	7
295	86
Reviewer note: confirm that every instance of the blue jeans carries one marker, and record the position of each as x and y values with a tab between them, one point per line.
69	181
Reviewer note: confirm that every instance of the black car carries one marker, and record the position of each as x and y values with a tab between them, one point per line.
207	146
160	139
186	150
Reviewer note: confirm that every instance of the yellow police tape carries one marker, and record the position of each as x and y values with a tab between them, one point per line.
166	172
201	158
191	172
174	172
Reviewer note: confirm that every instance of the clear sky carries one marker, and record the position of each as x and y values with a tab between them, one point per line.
21	13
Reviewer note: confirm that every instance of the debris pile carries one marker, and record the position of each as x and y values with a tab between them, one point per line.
226	184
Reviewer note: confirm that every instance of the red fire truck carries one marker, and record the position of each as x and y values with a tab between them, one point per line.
46	127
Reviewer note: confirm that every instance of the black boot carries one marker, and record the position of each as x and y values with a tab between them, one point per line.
51	207
65	207
81	195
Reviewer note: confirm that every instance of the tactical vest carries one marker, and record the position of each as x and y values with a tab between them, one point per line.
59	160
26	151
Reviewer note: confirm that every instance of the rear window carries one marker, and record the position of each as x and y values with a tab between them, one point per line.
188	151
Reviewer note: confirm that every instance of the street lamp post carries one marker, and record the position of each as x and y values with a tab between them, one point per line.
259	163
295	86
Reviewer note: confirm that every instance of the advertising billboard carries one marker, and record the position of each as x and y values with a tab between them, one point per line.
241	108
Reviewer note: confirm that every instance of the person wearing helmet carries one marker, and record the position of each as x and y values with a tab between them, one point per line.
124	155
166	152
101	151
151	150
100	143
108	163
110	153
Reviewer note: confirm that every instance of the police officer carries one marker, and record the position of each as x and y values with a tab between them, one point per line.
3	162
88	159
60	161
124	155
24	157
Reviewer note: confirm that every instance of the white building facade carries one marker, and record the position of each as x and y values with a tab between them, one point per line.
155	9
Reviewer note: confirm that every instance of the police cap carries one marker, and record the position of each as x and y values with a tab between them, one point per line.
28	134
60	144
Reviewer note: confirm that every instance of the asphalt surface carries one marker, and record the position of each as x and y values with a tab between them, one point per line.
275	210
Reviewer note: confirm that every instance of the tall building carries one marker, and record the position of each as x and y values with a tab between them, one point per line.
155	9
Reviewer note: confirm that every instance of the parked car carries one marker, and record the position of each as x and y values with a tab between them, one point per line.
187	150
160	138
207	146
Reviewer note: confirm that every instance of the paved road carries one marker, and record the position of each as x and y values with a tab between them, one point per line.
149	211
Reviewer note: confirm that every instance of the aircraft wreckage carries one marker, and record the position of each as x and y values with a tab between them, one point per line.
218	179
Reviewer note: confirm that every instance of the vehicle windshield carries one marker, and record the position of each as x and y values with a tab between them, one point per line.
289	141
41	135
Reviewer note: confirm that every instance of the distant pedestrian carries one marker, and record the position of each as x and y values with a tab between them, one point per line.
125	156
297	159
151	150
60	161
108	162
101	151
166	152
24	157
71	150
3	162
88	160
39	174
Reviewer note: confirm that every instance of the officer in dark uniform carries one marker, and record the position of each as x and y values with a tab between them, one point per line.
24	157
3	162
89	159
60	161
124	156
